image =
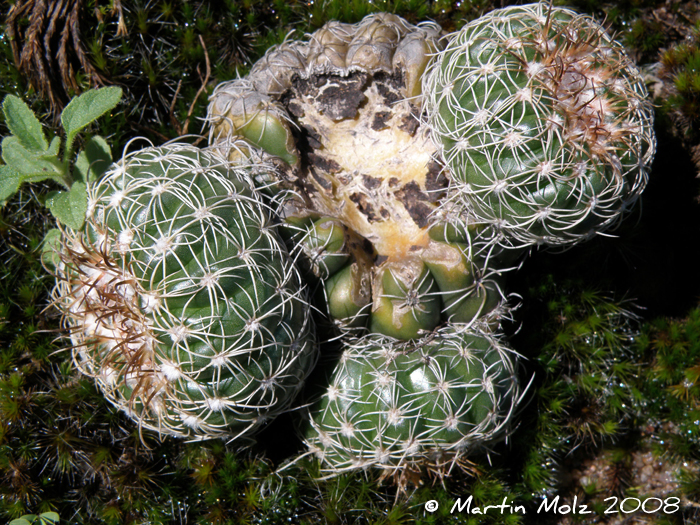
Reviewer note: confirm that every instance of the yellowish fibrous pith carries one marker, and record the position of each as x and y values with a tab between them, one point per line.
378	183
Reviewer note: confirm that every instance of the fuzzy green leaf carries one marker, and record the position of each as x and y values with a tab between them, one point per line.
87	108
27	162
23	124
48	518
54	148
51	247
10	182
94	160
69	207
27	519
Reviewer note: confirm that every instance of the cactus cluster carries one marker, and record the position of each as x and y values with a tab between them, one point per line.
408	163
359	183
390	166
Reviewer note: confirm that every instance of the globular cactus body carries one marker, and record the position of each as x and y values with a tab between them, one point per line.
408	408
181	299
543	122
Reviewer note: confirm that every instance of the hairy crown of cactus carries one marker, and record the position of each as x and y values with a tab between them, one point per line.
544	123
407	408
181	299
341	113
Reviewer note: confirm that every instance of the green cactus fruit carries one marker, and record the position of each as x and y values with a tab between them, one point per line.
409	408
181	299
544	123
357	180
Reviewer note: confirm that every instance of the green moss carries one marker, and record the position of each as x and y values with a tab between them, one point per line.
671	384
585	389
680	70
601	376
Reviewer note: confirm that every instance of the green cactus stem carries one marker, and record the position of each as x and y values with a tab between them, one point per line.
255	117
411	408
181	299
544	123
362	161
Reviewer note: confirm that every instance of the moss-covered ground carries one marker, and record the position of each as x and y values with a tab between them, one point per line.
610	329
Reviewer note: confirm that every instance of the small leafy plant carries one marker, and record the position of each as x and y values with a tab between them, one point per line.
46	518
30	157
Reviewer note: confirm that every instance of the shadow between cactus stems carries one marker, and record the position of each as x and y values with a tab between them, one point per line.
653	256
